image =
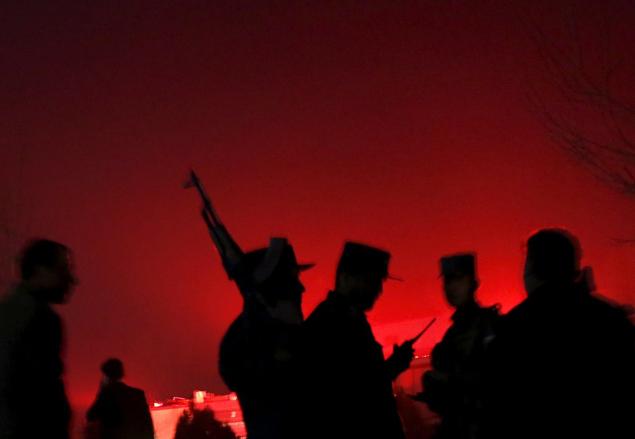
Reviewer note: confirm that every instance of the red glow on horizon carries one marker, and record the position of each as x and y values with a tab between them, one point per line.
403	127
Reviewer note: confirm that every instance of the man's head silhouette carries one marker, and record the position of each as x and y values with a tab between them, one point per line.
277	272
460	280
46	270
112	369
553	258
361	273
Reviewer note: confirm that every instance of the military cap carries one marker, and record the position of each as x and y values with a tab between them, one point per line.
460	264
360	258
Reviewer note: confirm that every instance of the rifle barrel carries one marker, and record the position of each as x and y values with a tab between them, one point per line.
195	182
414	339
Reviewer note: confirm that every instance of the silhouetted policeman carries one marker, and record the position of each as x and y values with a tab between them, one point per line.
563	361
33	402
121	411
453	388
350	394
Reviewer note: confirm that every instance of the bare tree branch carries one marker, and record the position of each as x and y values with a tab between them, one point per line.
584	115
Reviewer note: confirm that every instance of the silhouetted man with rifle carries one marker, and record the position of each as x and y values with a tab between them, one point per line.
258	356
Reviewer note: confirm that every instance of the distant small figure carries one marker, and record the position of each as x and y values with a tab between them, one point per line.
563	360
201	424
453	388
348	387
120	411
31	345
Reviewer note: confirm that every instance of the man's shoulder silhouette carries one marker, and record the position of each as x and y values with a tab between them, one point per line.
332	313
130	394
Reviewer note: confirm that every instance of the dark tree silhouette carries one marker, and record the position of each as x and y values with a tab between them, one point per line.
585	99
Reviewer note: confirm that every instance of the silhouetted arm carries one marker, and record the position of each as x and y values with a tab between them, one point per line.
43	367
148	426
95	412
400	360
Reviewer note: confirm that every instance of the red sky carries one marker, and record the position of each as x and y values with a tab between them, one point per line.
401	124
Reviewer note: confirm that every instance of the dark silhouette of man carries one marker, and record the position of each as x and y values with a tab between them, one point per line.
120	411
563	360
258	356
350	390
453	388
33	402
259	353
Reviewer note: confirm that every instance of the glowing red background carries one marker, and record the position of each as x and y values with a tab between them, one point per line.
402	126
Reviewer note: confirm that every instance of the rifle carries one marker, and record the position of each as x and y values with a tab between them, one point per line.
227	247
410	342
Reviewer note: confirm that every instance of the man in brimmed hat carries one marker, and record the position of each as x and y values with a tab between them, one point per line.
258	354
351	391
453	387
